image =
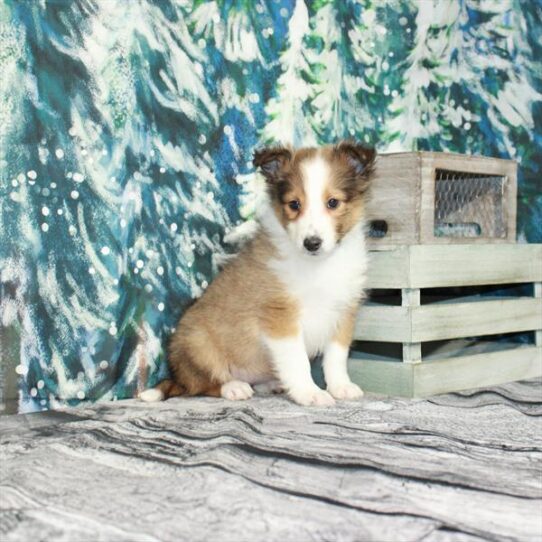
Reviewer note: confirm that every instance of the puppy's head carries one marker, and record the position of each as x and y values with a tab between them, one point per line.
317	194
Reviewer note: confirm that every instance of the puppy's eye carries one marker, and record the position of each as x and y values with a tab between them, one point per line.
294	205
332	203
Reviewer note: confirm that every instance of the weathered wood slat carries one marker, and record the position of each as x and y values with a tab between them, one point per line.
538	295
431	266
436	321
389	268
443	373
394	197
470	265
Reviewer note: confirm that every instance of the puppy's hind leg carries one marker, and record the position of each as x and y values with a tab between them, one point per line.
202	369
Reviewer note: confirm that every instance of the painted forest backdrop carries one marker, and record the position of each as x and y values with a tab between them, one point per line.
127	128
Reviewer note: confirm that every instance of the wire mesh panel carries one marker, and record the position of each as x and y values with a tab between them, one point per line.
469	204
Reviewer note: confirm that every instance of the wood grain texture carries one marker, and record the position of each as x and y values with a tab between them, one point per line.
459	467
403	195
432	266
395	197
438	321
537	291
448	369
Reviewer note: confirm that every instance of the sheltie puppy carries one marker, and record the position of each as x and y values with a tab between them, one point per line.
292	292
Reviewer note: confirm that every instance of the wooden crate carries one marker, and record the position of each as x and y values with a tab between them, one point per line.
441	198
416	345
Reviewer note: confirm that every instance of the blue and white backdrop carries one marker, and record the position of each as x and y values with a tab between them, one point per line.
127	128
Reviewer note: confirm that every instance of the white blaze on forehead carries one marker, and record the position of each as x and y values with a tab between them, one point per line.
315	219
315	172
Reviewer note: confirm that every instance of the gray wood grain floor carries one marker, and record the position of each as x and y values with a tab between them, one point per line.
459	467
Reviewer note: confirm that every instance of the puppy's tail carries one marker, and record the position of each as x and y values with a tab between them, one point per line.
162	391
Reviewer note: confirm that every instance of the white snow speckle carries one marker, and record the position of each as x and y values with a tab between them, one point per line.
140	264
32	174
71	131
59	153
59	212
161	307
74	194
45	227
228	129
80	394
15	183
45	211
160	270
21	177
91	270
162	170
178	270
78	177
53	185
105	251
148	288
403	21
33	392
104	364
202	139
73	230
254	98
21	370
40	384
202	43
173	227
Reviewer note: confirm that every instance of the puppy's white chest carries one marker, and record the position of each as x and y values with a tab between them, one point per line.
324	290
324	303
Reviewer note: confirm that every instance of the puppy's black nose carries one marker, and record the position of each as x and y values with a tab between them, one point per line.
312	244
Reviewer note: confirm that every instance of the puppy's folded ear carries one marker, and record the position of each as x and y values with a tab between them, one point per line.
271	161
359	158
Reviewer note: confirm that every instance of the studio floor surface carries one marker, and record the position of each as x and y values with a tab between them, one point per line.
459	467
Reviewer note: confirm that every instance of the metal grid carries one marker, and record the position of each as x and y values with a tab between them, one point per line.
469	204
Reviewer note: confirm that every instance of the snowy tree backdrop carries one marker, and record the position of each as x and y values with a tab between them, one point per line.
126	133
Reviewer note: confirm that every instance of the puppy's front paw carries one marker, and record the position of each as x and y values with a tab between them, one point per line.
312	396
235	390
348	391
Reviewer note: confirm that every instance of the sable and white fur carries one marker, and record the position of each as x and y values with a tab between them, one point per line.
291	293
